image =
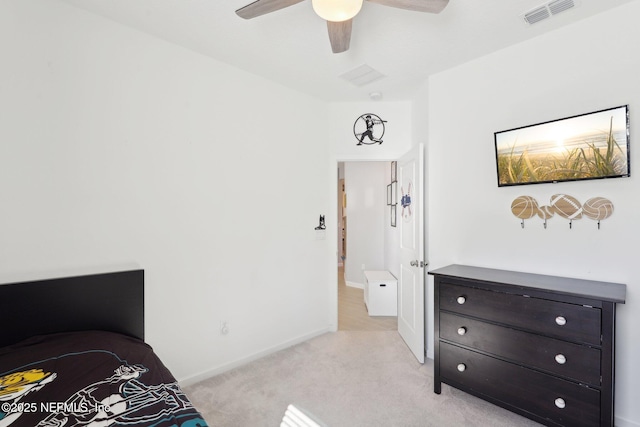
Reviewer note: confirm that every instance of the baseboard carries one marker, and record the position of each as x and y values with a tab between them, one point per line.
243	361
354	284
430	354
621	422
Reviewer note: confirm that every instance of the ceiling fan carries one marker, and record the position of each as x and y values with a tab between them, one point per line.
338	13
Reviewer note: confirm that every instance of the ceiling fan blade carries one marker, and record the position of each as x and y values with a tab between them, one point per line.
339	35
429	6
262	7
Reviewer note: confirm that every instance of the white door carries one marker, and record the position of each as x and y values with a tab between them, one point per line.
410	220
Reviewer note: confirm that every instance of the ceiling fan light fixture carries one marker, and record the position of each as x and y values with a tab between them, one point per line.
336	10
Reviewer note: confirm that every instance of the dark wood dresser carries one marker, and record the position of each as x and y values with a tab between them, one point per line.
540	346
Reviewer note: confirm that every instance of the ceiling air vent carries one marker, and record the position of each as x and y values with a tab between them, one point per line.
547	10
362	75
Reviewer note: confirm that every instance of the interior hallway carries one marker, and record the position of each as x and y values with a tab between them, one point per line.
352	311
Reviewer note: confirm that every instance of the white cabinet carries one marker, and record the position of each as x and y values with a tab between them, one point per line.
381	293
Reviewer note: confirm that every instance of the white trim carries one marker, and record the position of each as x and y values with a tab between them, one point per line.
354	284
243	361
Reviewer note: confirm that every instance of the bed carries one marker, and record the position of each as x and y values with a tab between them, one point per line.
72	353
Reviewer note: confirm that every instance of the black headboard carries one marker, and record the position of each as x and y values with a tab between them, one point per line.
110	302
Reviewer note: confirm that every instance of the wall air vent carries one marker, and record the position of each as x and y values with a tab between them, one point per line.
537	15
548	10
558	6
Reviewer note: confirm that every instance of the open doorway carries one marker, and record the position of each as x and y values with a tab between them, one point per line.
363	228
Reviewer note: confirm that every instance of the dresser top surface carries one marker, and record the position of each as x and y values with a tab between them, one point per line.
604	291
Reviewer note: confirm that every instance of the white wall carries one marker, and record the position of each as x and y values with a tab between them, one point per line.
585	67
117	148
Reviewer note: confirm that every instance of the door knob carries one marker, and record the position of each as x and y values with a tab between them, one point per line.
414	263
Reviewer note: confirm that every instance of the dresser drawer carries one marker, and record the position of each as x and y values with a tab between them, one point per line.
575	361
559	401
572	322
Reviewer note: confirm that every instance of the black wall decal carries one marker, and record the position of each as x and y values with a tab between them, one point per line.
369	129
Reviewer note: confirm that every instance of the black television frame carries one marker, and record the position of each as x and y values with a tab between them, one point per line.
542	147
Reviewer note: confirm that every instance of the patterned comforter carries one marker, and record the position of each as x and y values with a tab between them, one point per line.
92	379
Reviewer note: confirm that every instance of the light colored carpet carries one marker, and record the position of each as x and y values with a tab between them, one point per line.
346	378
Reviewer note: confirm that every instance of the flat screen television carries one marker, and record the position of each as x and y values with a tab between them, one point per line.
587	146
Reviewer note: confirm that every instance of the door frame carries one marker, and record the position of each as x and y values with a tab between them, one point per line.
333	266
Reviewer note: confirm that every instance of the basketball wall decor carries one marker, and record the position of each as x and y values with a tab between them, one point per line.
524	207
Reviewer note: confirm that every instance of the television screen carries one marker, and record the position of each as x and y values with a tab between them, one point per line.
588	146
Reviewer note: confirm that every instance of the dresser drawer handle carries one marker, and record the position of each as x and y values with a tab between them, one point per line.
560	403
462	330
561	321
461	300
561	359
462	367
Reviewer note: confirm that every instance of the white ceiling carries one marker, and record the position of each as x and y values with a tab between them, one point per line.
291	46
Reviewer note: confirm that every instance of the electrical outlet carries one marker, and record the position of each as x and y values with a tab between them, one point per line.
224	327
